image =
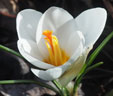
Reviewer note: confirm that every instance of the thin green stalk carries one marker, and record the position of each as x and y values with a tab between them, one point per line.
77	82
79	78
96	52
22	81
90	60
63	90
66	91
28	81
10	51
94	66
98	49
58	86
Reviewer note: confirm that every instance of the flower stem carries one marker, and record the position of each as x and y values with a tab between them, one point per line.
58	86
78	80
63	90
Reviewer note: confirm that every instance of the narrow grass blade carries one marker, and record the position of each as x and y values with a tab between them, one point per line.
63	90
89	62
98	49
93	66
10	51
3	82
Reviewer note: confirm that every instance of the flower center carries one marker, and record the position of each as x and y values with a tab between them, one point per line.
57	56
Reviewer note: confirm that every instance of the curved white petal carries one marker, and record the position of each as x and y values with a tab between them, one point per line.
69	37
56	72
72	72
30	52
52	19
91	22
27	22
43	48
50	74
74	69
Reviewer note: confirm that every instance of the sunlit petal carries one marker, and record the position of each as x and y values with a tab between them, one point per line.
91	22
63	50
51	20
48	74
56	72
74	69
30	52
27	22
69	37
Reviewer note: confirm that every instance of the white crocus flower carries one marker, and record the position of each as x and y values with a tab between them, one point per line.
56	42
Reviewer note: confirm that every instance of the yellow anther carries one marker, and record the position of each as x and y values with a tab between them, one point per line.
57	56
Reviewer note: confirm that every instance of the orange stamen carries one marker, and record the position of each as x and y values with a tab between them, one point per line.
57	56
48	37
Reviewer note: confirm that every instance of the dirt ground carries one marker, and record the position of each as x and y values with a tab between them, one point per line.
12	67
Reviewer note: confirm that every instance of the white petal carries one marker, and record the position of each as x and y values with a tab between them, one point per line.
74	69
31	48
43	48
52	19
91	22
56	72
72	72
50	74
69	37
30	52
27	21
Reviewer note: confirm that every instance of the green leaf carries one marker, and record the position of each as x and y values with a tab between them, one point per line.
91	58
63	90
6	49
93	66
79	78
28	81
58	86
98	49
